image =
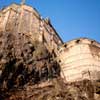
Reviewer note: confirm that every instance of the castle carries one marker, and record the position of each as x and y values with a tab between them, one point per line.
79	59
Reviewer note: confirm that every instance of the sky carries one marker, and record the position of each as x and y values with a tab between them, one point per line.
71	18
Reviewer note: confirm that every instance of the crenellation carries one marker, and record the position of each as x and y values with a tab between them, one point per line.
81	41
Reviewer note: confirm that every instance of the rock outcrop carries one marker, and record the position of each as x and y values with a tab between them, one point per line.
26	49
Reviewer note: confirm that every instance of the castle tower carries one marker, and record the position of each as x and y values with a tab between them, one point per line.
80	59
25	19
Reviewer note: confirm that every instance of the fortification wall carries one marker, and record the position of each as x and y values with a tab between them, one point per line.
19	19
80	59
26	20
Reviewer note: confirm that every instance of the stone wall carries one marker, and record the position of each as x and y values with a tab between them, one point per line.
80	59
25	19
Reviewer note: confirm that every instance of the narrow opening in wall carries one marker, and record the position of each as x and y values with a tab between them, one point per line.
92	42
59	61
65	45
77	41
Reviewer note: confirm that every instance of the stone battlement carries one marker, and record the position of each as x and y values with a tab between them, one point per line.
75	42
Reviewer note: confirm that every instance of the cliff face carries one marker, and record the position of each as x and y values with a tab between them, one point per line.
22	61
25	53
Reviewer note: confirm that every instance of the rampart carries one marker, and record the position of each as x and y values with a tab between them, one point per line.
26	20
80	59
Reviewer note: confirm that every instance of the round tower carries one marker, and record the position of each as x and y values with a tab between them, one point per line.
80	59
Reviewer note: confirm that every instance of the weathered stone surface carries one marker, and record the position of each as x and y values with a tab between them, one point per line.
79	59
30	62
25	56
56	90
25	19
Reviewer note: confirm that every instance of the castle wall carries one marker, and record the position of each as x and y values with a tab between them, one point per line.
50	37
25	19
80	59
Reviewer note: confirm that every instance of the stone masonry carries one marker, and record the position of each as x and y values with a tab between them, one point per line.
25	19
80	59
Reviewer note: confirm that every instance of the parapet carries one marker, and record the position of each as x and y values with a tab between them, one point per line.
78	41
